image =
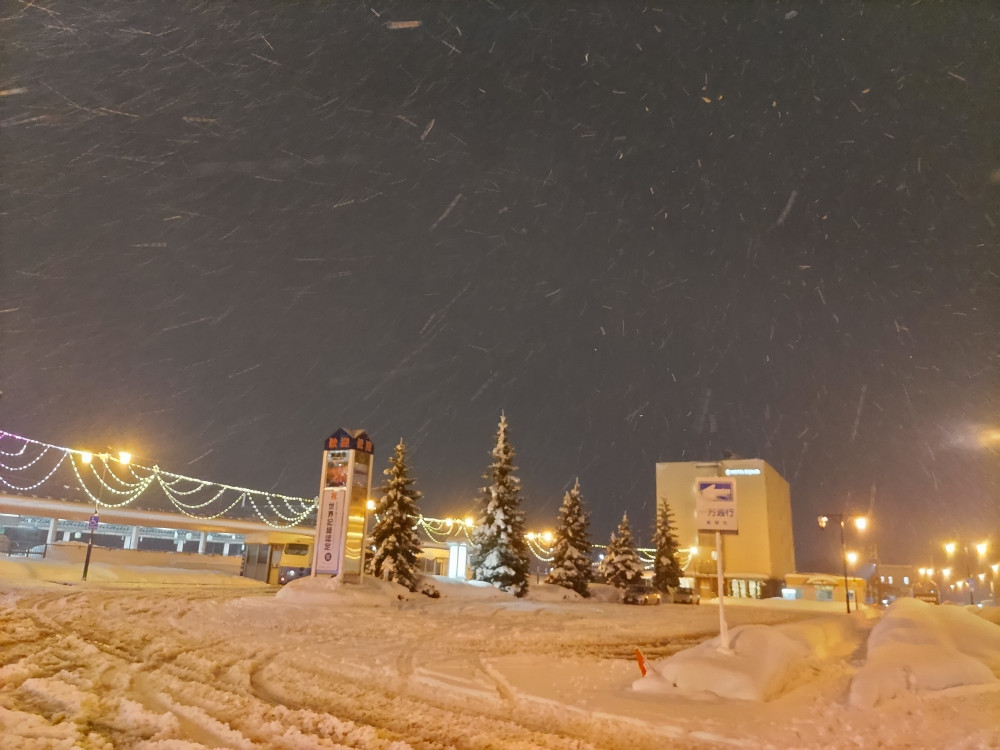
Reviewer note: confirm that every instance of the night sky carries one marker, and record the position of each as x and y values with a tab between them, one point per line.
644	233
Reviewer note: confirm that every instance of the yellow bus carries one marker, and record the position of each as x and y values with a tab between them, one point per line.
296	560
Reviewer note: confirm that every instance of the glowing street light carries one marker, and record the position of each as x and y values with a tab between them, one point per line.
860	523
981	548
87	457
989	437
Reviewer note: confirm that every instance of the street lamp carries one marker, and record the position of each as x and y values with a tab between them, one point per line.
980	547
86	456
860	523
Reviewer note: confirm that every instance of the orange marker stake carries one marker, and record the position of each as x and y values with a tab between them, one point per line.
641	660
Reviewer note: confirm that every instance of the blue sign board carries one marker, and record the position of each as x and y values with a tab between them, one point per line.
715	504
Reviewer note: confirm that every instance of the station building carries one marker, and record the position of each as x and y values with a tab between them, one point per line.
757	558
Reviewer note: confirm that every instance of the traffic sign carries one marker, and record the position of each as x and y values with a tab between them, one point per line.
715	504
94	522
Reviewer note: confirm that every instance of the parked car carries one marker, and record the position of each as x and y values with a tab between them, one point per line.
686	595
640	593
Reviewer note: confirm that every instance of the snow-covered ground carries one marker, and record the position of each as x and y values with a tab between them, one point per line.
149	658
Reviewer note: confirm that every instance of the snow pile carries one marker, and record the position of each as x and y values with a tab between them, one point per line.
764	661
377	592
58	571
920	646
333	591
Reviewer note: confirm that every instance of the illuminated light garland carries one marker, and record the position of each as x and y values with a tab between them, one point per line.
260	515
278	513
438	530
184	512
177	480
542	552
97	499
169	492
19	453
297	509
28	465
36	484
102	480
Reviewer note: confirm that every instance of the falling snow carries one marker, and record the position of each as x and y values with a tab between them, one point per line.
231	228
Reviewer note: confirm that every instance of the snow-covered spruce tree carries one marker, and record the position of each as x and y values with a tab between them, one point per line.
621	564
396	544
666	570
499	552
571	552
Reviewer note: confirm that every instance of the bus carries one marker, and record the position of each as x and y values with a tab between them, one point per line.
296	560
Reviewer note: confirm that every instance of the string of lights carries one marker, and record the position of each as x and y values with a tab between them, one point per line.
183	494
121	488
36	485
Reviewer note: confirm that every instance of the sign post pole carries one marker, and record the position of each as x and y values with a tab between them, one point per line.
715	508
723	627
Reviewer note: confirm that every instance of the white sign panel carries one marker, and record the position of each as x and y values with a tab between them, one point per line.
715	504
330	520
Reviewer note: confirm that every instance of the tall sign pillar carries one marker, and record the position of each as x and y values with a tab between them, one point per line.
345	486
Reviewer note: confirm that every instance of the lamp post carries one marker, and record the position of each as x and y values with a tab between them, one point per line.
860	523
981	547
123	458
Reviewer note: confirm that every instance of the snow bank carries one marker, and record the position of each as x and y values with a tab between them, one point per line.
59	571
16	571
920	646
765	661
375	591
330	591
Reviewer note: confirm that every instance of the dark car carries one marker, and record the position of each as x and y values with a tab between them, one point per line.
640	593
686	595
